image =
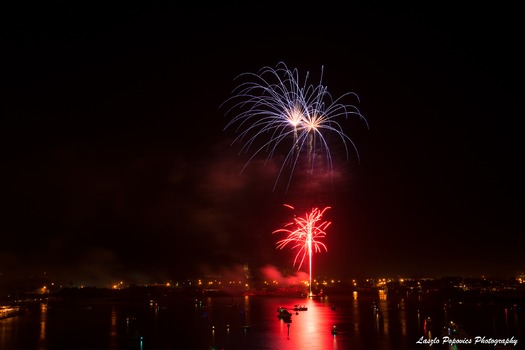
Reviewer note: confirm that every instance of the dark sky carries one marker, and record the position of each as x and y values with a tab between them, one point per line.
116	164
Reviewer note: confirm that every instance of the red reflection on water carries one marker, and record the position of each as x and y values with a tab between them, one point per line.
310	329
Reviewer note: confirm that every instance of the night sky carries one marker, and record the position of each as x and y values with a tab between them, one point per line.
116	163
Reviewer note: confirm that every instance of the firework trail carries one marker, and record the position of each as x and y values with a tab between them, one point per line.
277	108
304	235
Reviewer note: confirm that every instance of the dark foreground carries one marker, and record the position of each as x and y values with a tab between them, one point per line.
362	320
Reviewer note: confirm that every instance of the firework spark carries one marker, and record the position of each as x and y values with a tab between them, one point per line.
305	236
277	105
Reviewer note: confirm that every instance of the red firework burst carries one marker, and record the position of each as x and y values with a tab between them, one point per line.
304	235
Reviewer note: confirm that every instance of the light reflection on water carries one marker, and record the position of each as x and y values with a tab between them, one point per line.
43	322
251	322
310	329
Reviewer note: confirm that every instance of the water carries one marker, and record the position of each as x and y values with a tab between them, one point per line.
367	322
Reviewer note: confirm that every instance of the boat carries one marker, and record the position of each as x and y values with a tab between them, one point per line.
300	308
283	313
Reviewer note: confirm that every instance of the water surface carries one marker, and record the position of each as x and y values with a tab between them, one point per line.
372	321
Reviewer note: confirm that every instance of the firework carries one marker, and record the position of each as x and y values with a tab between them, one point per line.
274	107
304	236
